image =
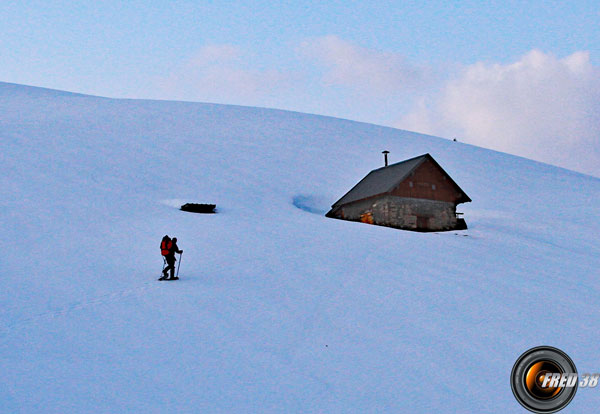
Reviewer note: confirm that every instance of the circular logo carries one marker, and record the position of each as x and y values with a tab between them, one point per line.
544	380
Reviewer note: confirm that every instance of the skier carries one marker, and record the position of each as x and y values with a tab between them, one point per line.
165	248
170	245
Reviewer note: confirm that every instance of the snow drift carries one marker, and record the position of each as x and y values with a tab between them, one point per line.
278	309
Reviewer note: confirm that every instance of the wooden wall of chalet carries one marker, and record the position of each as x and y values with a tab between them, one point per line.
427	181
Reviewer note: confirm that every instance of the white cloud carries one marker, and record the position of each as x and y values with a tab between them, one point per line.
367	71
540	107
218	73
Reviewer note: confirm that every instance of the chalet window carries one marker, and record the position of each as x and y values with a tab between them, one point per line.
410	184
433	186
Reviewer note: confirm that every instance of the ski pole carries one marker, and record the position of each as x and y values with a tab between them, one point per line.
179	264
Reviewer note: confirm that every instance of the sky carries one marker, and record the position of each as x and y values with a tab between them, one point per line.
516	76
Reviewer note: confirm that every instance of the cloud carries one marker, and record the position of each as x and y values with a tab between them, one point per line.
219	73
540	107
367	71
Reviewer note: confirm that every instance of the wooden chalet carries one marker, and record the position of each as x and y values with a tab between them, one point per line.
416	194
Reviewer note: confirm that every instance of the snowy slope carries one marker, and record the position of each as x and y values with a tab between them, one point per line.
279	309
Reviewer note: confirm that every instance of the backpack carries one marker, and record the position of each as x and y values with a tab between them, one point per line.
165	247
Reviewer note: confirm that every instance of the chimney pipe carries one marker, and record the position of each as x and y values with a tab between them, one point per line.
385	153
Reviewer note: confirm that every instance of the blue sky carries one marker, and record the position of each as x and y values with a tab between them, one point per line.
446	68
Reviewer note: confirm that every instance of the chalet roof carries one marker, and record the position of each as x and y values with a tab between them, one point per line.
385	179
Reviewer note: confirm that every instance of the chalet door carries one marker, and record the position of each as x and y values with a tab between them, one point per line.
422	222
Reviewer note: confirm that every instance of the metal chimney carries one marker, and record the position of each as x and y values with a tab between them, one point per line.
385	153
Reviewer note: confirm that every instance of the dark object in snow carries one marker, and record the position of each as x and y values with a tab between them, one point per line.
416	194
461	224
199	208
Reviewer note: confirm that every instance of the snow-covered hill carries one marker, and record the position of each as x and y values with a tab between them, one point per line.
278	309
